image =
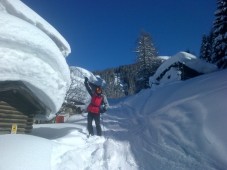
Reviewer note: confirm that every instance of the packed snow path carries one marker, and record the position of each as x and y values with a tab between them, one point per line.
76	150
128	142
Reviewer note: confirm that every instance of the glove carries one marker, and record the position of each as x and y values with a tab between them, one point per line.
103	109
85	79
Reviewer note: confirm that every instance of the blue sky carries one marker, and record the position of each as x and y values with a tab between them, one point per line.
102	33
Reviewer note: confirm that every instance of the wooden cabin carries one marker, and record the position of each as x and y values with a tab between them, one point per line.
186	72
18	106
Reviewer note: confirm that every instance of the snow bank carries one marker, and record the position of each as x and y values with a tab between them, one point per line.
186	120
24	152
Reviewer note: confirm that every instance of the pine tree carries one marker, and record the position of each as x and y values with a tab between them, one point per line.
146	54
210	46
203	48
206	47
219	55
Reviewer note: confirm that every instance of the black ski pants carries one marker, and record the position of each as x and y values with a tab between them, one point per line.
90	118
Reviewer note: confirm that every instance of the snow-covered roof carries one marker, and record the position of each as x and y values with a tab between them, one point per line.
164	57
189	60
20	10
33	52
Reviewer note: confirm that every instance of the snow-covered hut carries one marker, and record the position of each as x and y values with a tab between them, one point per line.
34	75
181	66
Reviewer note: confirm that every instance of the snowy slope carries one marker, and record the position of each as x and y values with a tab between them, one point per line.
185	122
178	126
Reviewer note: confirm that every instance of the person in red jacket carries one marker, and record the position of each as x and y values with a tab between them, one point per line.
98	105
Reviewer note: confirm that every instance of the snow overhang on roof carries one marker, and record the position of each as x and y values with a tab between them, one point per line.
189	60
33	52
18	95
20	10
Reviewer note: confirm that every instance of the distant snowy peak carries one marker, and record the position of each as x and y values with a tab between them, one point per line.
20	10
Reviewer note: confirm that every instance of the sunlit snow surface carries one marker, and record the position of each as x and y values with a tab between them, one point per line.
178	126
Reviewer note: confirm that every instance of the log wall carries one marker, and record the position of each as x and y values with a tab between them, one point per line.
10	116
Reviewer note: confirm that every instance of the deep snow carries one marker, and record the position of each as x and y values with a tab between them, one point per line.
177	126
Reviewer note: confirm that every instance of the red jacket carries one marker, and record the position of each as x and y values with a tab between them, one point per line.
94	106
